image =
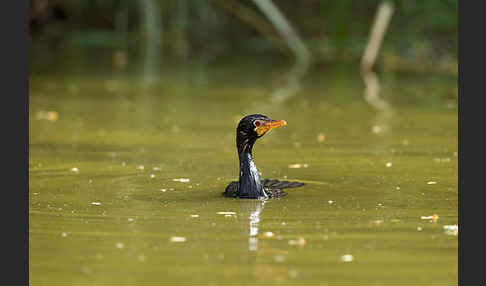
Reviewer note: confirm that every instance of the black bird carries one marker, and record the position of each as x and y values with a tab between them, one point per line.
249	186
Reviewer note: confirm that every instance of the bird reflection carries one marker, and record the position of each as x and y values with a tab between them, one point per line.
252	209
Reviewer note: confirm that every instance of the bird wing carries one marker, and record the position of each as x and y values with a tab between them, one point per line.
276	184
273	188
231	190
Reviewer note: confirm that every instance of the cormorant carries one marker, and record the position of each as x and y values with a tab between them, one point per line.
249	186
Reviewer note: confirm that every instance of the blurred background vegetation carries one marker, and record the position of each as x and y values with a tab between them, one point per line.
122	35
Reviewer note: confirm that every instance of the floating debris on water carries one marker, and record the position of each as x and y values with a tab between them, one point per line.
182	180
194	215
419	228
156	168
63	234
298	166
268	234
431	183
451	229
433	217
226	213
141	167
152	176
377	129
330	202
123	164
397	188
120	245
389	164
163	190
75	170
142	258
442	160
96	203
321	137
178	239
279	258
301	241
347	258
50	116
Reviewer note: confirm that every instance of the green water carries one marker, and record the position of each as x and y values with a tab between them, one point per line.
105	209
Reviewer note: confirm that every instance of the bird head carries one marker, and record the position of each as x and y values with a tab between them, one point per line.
252	127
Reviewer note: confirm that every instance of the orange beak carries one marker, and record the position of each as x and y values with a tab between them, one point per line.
269	125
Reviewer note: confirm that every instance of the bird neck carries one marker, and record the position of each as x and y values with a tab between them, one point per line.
249	185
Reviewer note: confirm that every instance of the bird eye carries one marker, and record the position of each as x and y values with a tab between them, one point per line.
257	123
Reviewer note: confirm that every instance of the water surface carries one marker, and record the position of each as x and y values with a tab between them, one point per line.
105	208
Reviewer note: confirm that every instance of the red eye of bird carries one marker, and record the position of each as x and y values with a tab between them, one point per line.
257	123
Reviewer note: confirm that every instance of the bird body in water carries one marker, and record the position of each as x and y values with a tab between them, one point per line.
249	185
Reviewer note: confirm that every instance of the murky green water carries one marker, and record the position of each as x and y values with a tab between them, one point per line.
105	209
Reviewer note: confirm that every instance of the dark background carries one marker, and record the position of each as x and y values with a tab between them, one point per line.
422	36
